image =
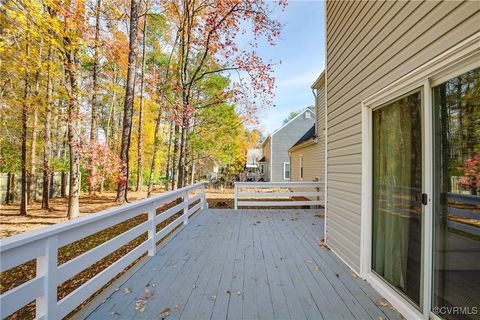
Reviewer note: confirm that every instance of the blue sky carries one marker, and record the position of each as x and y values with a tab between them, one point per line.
301	50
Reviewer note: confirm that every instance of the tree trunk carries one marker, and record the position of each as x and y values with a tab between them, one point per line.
156	147
32	188
140	115
175	157
56	122
167	166
93	122
32	182
111	113
181	160
9	185
47	145
71	68
192	181
128	104
23	201
13	188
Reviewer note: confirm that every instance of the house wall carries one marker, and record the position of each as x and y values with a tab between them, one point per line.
312	169
370	44
283	139
313	155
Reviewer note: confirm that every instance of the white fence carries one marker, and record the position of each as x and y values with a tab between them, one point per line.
43	246
313	192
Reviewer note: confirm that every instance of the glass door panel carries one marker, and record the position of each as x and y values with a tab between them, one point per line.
397	189
456	106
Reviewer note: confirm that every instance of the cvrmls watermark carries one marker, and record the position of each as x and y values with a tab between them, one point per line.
441	311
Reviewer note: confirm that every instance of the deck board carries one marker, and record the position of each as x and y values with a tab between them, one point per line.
246	264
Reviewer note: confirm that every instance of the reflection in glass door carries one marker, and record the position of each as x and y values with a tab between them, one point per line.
397	189
456	106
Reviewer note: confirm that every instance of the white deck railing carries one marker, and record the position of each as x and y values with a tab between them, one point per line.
43	246
313	192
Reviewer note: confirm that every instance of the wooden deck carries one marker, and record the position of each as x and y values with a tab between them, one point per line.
246	264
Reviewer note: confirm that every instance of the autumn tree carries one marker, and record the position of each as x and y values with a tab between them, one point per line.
207	44
128	103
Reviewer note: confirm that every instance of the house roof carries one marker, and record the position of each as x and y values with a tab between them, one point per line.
263	159
320	82
310	134
286	124
306	140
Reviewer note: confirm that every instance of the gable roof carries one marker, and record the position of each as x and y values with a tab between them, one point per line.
286	124
310	134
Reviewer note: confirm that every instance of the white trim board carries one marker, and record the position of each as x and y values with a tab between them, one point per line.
325	86
289	170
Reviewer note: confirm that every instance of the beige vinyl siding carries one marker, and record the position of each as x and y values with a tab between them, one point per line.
314	154
369	46
313	163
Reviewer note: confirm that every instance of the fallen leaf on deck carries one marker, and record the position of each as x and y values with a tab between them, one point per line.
238	293
213	297
383	303
354	275
317	268
323	245
127	290
336	274
140	305
167	309
165	313
229	292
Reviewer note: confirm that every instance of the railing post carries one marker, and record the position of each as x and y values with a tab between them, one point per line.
46	305
235	200
185	207
152	231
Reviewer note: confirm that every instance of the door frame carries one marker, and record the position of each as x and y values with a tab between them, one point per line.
458	59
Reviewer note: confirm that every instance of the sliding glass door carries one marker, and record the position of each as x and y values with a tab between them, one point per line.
397	194
456	107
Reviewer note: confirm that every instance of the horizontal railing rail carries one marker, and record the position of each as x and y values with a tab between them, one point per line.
43	245
313	192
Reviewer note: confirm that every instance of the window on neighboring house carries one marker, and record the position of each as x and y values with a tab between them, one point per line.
301	167
262	168
286	170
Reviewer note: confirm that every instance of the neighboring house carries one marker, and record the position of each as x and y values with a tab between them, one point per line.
252	169
276	160
402	82
307	155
